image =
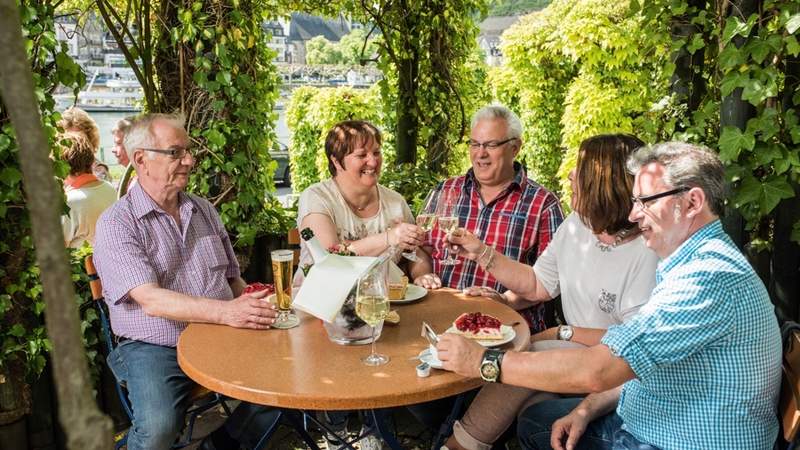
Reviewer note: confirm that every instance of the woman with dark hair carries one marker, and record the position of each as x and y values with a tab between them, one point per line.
603	273
351	209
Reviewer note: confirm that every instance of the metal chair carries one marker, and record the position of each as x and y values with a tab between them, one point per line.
201	399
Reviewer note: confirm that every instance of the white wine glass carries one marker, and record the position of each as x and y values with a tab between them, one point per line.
447	220
372	306
425	220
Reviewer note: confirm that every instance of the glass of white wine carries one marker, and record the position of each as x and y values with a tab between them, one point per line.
372	306
425	220
447	219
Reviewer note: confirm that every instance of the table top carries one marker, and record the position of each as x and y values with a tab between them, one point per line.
301	368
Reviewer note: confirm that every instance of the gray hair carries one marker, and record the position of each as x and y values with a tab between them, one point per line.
686	165
123	125
497	111
140	133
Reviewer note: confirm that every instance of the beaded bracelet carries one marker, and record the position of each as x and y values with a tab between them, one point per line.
387	235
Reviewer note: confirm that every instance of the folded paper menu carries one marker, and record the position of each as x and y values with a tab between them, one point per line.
327	284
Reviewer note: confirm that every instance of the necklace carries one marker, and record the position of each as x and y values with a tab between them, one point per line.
618	238
352	205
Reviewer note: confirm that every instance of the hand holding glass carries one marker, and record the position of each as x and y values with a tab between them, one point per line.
282	275
448	220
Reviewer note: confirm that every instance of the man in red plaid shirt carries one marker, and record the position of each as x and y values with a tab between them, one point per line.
498	203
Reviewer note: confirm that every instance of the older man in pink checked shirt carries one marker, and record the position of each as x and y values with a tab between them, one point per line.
165	260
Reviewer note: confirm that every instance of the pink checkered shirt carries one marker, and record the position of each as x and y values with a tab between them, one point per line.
138	243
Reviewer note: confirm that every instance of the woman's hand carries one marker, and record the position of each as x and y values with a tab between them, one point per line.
483	291
428	281
465	244
406	236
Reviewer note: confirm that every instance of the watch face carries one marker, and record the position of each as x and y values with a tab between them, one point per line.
489	371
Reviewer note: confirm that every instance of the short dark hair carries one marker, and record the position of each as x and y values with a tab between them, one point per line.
347	136
605	186
77	151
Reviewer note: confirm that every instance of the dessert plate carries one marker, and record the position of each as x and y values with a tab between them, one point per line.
508	335
413	293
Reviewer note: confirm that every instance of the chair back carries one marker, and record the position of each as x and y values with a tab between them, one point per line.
789	405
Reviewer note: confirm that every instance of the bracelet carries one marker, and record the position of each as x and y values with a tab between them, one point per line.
490	263
483	252
387	235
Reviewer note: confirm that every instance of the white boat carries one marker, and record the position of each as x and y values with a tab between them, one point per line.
113	93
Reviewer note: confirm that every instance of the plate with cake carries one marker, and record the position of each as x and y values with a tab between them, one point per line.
483	328
405	292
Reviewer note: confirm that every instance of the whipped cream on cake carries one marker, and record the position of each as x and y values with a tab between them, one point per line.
478	326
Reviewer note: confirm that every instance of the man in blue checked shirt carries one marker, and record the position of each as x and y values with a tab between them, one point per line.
697	368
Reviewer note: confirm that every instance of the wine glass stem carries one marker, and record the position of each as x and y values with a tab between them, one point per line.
373	340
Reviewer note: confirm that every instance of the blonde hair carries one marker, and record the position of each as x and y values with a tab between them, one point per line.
76	119
77	151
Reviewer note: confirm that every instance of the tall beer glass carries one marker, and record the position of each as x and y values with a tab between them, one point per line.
282	275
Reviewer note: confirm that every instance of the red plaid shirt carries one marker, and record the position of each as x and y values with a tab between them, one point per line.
520	223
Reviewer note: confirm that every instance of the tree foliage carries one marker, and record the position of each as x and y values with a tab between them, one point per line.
576	69
349	51
211	62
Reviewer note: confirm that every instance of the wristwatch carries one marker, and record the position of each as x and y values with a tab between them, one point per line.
565	332
490	365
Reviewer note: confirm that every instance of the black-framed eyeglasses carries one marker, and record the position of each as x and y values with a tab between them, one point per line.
174	153
641	201
488	145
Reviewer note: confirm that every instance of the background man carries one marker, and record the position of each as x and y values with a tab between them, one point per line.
701	361
500	205
165	260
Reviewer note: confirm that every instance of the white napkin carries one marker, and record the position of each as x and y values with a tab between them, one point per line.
327	284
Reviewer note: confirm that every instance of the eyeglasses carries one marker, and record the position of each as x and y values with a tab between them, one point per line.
641	201
489	145
174	153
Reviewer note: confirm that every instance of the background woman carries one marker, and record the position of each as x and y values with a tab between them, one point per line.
602	272
87	196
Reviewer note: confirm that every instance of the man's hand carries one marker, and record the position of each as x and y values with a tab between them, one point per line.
465	244
428	281
460	355
483	291
251	310
567	431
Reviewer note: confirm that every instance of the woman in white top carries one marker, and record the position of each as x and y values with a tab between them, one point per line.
595	261
351	209
87	196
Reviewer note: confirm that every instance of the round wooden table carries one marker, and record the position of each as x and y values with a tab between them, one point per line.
301	369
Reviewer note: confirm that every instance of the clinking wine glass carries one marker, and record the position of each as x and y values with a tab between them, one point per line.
447	220
282	261
425	220
372	306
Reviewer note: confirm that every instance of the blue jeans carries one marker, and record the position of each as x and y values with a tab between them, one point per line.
158	391
604	433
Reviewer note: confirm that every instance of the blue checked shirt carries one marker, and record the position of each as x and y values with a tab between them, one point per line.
706	350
